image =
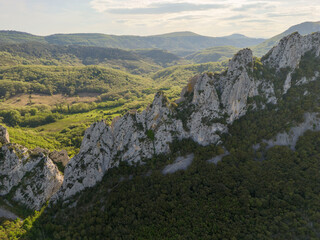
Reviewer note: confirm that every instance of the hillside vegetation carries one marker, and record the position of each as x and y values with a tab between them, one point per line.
136	62
66	80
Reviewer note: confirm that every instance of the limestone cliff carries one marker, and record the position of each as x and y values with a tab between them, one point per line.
290	49
208	104
29	177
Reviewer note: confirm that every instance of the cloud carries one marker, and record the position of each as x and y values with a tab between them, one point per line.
257	21
278	15
187	17
163	8
246	7
236	17
257	18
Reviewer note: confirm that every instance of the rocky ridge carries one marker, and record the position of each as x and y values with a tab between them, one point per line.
29	177
207	105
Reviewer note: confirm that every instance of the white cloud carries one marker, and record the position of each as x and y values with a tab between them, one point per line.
153	6
256	18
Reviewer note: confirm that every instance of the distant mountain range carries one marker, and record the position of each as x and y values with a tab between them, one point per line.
192	46
178	42
224	52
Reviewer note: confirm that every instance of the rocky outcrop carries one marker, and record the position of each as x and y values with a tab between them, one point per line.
288	53
218	158
207	105
290	49
290	138
29	177
4	135
39	184
181	163
4	213
305	80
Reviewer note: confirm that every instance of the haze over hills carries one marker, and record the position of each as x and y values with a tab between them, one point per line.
182	44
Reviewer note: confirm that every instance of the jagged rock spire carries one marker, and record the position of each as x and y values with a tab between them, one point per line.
241	60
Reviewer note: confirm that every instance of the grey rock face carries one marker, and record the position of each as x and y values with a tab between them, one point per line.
181	163
304	80
36	190
4	135
207	104
290	49
311	122
15	163
218	158
30	176
4	213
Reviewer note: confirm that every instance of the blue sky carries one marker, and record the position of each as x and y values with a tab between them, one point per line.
148	17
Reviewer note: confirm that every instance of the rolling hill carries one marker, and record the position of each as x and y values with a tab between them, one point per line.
136	62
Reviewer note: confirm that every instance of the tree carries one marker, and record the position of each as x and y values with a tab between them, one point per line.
13	117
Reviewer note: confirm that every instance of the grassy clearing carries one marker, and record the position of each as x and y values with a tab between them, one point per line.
49	100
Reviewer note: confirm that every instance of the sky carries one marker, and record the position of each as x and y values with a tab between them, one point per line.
150	17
